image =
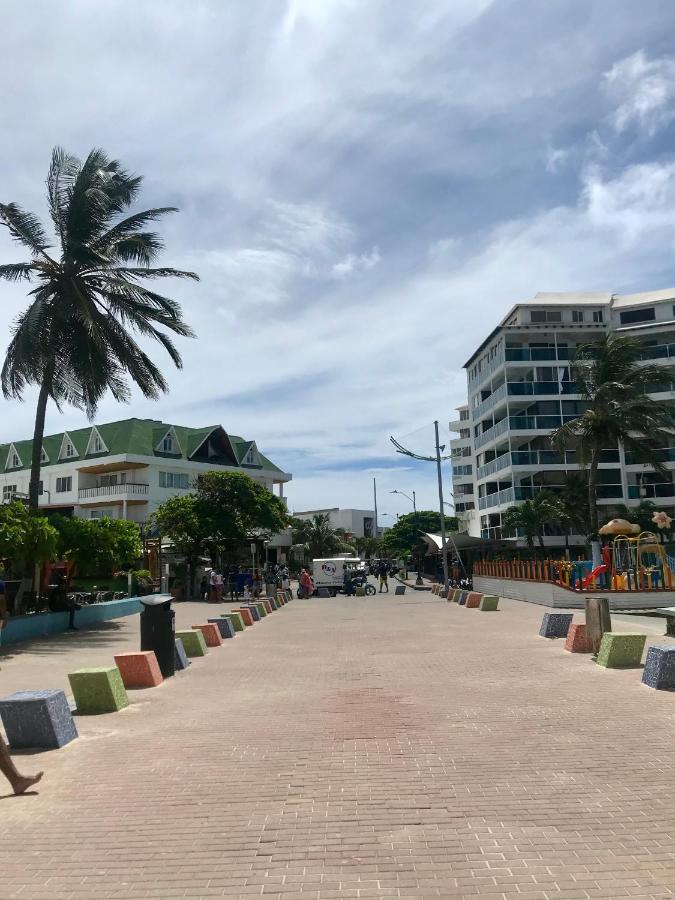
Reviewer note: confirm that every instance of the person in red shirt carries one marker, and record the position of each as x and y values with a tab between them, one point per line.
306	583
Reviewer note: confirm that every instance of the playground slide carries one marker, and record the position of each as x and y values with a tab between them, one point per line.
588	580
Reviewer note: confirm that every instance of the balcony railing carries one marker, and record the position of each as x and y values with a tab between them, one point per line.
650	491
113	490
534	354
493	432
665	454
495	465
498	394
529	388
659	351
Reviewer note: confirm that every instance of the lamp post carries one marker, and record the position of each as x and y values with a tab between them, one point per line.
413	500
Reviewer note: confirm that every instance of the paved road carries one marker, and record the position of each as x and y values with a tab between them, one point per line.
379	747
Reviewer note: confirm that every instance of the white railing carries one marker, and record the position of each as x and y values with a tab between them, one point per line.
109	490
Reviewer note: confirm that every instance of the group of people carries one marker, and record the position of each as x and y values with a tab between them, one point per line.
237	582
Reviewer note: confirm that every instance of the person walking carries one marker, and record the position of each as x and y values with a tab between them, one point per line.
257	584
233	582
220	586
306	583
383	572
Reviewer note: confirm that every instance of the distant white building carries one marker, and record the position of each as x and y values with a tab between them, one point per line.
359	522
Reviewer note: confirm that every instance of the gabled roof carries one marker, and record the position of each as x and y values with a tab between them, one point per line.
141	437
95	433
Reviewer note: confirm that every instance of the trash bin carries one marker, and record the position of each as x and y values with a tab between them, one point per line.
158	631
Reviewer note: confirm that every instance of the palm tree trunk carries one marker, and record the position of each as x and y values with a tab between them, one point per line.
593	506
38	434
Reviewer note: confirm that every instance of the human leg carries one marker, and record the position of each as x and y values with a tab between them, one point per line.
20	783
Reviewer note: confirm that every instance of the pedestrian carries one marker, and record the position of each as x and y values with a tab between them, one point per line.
204	587
20	783
220	586
213	590
306	583
382	571
233	583
257	584
286	579
348	582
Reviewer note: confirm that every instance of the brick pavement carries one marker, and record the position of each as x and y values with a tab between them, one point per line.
362	747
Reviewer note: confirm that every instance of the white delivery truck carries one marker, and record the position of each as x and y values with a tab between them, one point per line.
330	573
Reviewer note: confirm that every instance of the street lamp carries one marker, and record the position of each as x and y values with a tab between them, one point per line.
413	500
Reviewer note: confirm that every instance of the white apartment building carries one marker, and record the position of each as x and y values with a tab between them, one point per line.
519	390
125	469
359	522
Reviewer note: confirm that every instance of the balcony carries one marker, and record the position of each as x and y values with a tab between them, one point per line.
118	491
495	465
665	454
537	354
529	388
498	394
650	491
659	351
493	432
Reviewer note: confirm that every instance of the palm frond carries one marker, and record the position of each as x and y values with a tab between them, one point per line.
24	227
16	271
154	273
62	172
130	225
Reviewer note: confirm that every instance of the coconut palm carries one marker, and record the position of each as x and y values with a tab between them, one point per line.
532	515
316	535
614	385
76	338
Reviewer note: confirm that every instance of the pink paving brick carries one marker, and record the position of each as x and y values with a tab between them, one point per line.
473	600
139	670
211	634
577	640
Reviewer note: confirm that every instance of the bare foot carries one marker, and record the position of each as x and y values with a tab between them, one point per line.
24	782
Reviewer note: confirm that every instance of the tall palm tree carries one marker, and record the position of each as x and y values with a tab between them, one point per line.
531	516
614	385
76	338
316	535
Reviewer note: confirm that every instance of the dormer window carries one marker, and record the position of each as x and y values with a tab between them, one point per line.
70	451
43	456
96	444
167	444
14	461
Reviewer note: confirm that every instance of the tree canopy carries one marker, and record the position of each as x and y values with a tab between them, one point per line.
26	538
403	538
98	546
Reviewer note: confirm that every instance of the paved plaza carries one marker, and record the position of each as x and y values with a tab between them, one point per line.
353	747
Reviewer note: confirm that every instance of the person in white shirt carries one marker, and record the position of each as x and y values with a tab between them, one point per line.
220	585
213	592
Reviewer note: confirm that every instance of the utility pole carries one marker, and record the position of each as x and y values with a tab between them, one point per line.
375	535
444	545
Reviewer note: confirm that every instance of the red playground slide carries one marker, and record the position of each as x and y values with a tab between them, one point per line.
598	570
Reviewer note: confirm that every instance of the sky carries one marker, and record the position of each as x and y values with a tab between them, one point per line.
365	188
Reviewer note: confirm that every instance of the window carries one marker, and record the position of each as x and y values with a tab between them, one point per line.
65	484
43	456
174	480
577	315
632	316
14	461
96	444
464	433
96	514
117	478
167	444
598	316
41	488
70	450
8	492
545	315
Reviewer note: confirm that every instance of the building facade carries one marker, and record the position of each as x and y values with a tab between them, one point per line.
520	389
359	522
125	469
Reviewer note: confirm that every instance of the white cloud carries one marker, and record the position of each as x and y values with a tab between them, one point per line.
353	263
644	90
556	158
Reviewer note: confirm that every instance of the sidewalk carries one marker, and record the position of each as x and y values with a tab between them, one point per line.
353	747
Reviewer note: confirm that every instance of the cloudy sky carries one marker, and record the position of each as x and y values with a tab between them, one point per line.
365	188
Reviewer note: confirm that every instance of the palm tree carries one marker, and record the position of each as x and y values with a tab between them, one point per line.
317	536
614	385
531	516
76	338
572	505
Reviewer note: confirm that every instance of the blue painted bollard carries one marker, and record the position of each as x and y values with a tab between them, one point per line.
182	661
37	719
225	626
555	625
659	671
255	612
399	589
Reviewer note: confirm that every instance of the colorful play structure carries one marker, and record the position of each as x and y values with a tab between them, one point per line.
634	560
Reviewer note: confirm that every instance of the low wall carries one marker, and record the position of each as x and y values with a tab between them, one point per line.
553	595
24	628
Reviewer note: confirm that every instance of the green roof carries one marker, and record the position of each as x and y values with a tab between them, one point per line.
139	437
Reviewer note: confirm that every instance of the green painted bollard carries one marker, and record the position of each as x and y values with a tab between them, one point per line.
237	620
621	649
193	642
360	592
489	603
99	690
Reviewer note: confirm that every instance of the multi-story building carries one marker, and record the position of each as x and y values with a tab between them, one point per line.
124	470
359	522
462	468
520	389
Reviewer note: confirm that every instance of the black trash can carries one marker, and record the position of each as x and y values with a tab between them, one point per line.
158	629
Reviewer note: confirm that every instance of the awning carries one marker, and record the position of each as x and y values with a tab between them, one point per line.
459	540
